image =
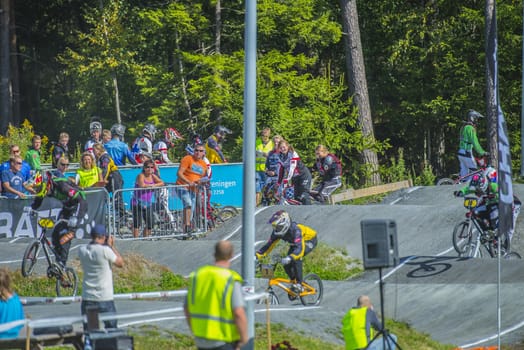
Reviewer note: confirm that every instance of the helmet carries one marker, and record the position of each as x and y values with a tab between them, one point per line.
190	150
280	222
119	130
491	174
150	129
171	135
95	126
478	183
221	131
197	140
473	116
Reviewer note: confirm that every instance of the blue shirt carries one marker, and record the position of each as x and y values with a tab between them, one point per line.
11	310
25	169
15	180
119	151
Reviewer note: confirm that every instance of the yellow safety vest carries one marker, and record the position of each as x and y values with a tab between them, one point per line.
209	303
354	328
260	160
88	178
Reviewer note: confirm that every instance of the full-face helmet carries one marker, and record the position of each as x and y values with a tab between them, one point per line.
119	130
149	129
95	126
491	174
478	183
222	131
171	135
280	222
473	116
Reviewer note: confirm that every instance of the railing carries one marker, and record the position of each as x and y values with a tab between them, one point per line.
156	212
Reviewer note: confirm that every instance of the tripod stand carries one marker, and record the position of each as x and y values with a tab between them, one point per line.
387	339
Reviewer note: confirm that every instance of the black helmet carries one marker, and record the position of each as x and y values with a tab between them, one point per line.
118	129
473	116
221	131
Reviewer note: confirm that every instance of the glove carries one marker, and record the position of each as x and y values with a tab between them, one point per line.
286	260
258	256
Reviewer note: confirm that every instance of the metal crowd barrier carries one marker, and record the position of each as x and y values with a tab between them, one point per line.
157	209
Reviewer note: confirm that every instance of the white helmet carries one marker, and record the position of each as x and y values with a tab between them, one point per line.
280	222
95	126
491	174
119	130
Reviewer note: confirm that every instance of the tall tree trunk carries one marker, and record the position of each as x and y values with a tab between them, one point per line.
218	27
491	103
5	83
357	82
15	81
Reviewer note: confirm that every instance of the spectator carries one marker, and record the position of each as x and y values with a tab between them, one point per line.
106	136
264	145
95	129
112	177
88	175
190	173
214	145
214	305
13	184
97	287
359	324
144	143
142	201
119	150
293	170
14	150
10	306
32	157
330	170
74	208
161	147
206	181
60	149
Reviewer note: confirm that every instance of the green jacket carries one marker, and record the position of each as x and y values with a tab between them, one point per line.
469	140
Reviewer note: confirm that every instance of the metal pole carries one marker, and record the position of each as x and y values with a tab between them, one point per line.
522	106
248	205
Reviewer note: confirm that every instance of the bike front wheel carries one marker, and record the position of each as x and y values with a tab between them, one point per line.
462	236
512	256
67	283
30	258
313	290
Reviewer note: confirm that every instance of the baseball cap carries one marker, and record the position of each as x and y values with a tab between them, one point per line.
99	230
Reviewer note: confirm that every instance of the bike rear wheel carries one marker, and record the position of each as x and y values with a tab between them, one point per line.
445	181
30	258
512	256
462	236
313	284
67	283
226	213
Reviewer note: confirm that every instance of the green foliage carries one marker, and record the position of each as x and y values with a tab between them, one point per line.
426	178
396	169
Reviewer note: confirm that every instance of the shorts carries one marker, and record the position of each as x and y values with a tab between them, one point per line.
187	197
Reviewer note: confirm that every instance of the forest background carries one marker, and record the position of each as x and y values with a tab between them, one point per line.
181	64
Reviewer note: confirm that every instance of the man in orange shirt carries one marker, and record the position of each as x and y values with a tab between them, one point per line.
190	173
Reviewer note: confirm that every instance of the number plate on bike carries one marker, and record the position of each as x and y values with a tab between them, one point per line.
266	271
470	202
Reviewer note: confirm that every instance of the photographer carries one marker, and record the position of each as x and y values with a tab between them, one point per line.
96	259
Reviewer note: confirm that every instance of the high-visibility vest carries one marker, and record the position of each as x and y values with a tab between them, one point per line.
209	303
354	328
260	161
89	177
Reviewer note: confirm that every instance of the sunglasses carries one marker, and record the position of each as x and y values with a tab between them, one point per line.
199	150
16	151
149	167
62	164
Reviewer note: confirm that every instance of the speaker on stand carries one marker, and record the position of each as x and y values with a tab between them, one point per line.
379	250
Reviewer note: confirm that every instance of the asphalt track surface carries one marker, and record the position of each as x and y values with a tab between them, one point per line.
452	299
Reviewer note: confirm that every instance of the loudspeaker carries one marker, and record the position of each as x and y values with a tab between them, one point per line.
115	339
379	243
